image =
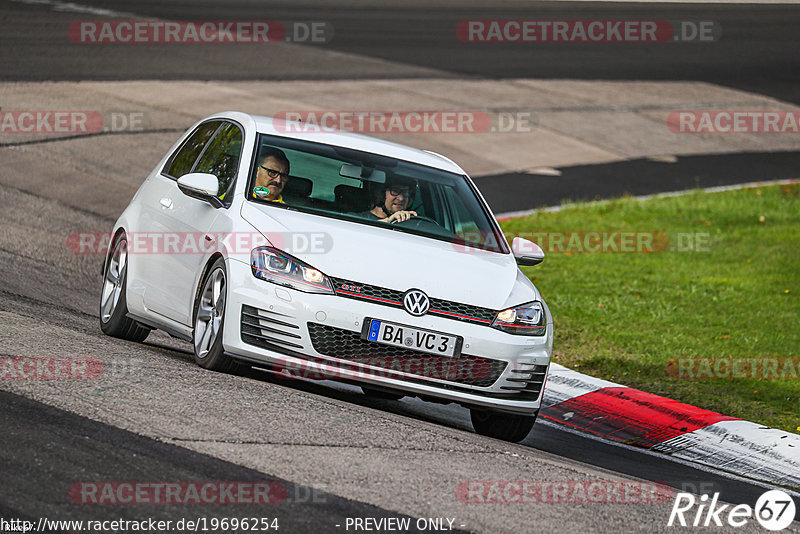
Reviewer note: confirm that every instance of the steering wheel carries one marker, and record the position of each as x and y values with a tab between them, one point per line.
416	220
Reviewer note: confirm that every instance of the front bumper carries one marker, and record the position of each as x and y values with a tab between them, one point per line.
319	336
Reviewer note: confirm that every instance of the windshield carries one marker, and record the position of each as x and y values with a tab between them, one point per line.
371	189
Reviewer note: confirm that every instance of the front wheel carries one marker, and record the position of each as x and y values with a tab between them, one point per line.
505	426
209	319
114	320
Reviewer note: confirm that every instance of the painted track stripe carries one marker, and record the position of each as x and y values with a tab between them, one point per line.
710	440
564	383
741	447
631	416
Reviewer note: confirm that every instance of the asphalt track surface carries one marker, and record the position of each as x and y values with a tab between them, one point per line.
48	447
756	51
47	437
523	191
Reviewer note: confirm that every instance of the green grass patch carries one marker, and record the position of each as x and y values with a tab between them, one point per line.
624	316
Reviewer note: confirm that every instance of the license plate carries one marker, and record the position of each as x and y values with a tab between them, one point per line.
408	337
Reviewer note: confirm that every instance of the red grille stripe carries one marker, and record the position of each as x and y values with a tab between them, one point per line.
459	315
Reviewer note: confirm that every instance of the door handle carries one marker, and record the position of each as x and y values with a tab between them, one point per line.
166	202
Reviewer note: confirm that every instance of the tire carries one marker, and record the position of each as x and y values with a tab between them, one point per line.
380	394
114	320
209	321
508	427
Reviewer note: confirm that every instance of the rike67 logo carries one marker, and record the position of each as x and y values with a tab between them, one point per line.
774	510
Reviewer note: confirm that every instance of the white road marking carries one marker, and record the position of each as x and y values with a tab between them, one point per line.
70	7
671	458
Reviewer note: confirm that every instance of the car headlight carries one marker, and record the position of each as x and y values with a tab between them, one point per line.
275	266
525	320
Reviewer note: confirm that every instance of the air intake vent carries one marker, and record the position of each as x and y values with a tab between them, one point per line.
269	330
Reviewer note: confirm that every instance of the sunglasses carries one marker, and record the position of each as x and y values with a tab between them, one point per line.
397	191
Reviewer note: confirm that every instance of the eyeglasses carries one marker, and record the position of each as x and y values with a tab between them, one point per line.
396	191
272	173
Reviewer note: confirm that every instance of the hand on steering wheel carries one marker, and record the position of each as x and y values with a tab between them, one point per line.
416	220
401	216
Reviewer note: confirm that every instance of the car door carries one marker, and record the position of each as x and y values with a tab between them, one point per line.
190	227
146	244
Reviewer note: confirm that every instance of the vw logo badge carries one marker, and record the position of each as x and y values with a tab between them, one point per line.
416	302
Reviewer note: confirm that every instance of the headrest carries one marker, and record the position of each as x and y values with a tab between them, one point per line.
349	198
298	187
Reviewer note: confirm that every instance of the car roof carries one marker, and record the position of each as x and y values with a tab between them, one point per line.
283	128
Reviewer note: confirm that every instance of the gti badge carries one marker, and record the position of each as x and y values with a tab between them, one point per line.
416	302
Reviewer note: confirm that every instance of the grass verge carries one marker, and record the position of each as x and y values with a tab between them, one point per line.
709	276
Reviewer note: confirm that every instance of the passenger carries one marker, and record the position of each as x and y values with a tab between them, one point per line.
392	201
272	175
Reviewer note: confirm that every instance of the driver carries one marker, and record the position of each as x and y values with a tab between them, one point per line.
392	201
272	175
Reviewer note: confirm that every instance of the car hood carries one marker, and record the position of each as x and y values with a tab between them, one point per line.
393	259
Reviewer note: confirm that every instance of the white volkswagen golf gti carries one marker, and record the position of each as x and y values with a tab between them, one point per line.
269	243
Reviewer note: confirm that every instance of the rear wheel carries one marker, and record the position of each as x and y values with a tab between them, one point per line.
209	319
114	320
508	427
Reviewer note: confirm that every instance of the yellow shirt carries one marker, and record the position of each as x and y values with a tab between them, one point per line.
278	199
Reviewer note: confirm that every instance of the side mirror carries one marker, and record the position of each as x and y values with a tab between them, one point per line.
526	252
202	186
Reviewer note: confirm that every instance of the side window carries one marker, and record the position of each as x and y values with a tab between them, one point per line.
221	157
185	158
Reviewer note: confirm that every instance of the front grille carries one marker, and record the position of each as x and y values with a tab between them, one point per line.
269	330
394	298
348	345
